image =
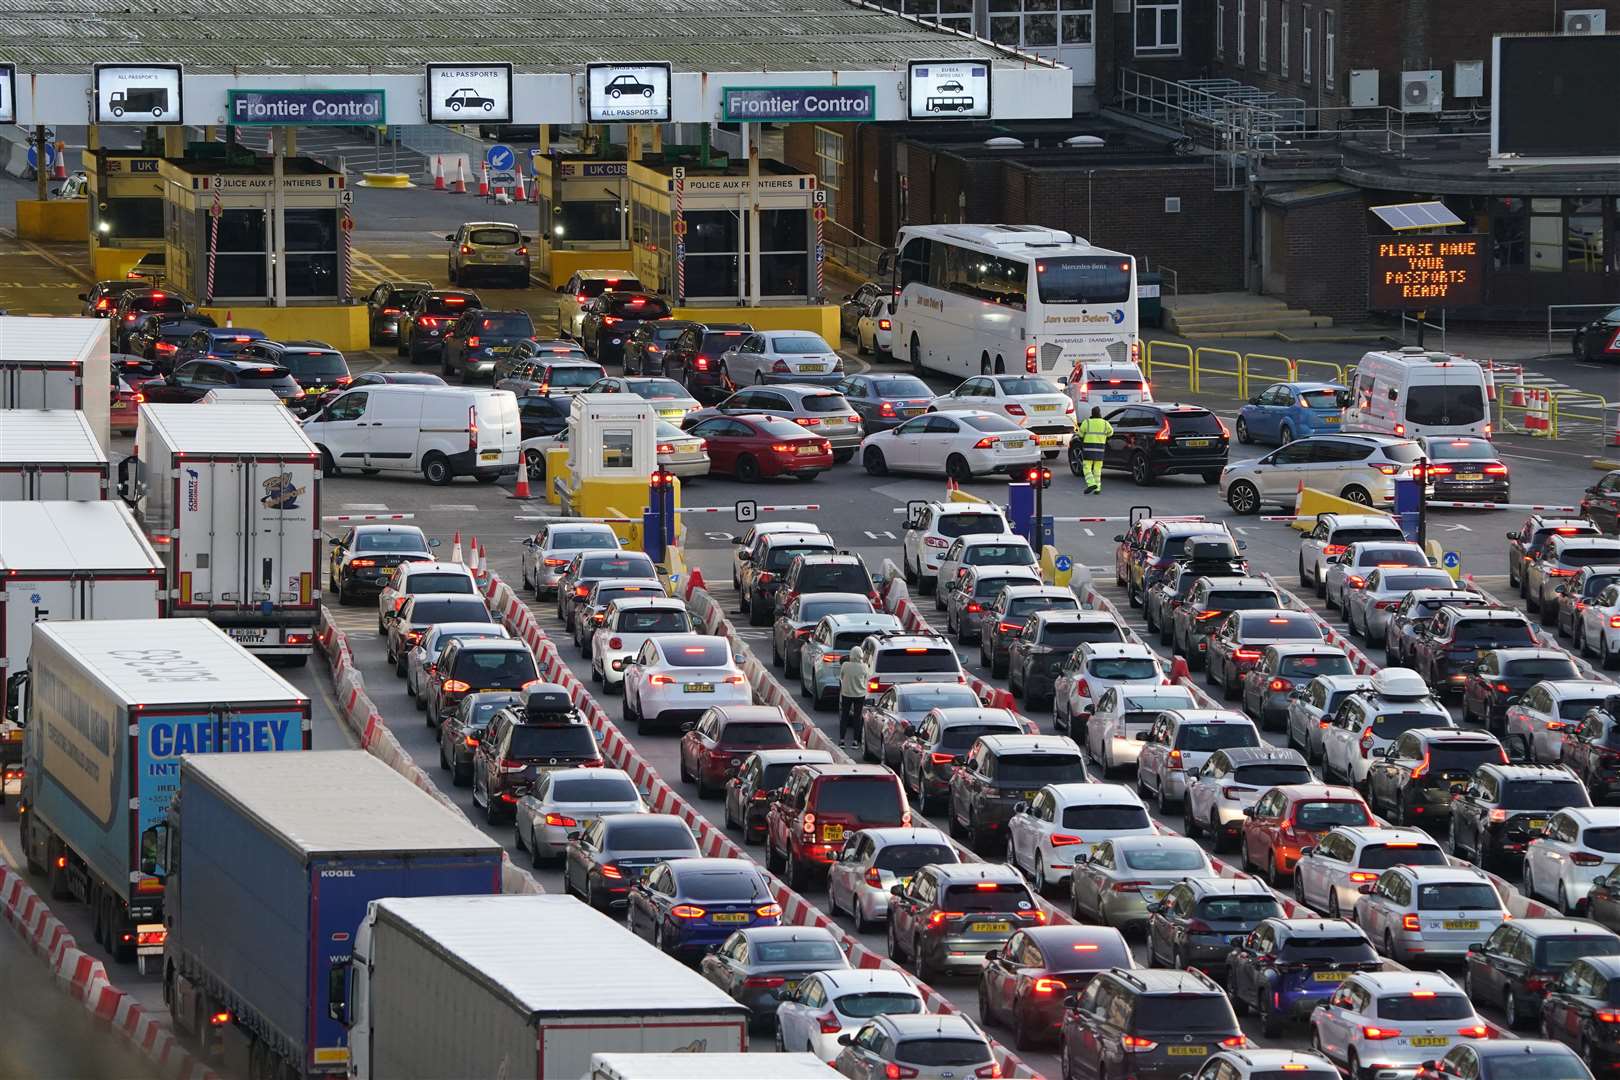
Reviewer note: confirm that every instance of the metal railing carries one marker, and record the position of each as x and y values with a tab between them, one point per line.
851	250
1203	363
1567	307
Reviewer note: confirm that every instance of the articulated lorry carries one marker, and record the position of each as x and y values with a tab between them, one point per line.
231	499
50	454
108	708
58	363
540	984
274	861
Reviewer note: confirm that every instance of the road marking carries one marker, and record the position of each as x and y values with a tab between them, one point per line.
884	535
399	256
456	508
1089	532
1241	530
35	249
366	508
718	537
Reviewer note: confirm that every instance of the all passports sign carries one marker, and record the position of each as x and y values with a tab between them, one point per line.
1426	270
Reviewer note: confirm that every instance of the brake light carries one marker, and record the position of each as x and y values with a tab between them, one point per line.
1556	572
701	363
1400	429
1410	922
1015	410
455	686
1163	434
1029	359
472	342
884	324
1475	1031
1585	858
165	346
1277	685
1609	1017
829	1024
887	409
466	249
610	320
1387	470
1203	615
511	765
941	759
666	448
1496	470
985	443
561	820
1423	766
1065	840
1137	1043
891	1071
581	297
661	680
611	871
768	911
581	590
1377	1033
1246	654
1362	876
974	607
1334	549
1128	886
615	643
807	421
687	911
1233	1042
472	742
937	918
1049	986
808	823
1176	761
1225	433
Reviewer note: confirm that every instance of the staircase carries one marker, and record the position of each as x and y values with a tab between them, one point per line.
1238	314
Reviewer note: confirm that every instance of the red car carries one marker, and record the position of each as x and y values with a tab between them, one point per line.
128	373
715	744
819	806
1286	819
752	447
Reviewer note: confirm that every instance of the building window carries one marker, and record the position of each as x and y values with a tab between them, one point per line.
1327	50
830	167
1583	235
1242	30
1508	227
1282	41
1305	44
1260	42
1041	24
1158	27
240	265
1220	29
951	14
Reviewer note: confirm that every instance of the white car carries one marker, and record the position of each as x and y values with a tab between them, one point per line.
1597	628
670	398
1579	845
1330	874
1359	467
678	677
1311	709
831	1004
565	801
1030	401
629	622
1429	912
1367	722
874	331
1349	570
1333	534
1394	1021
421	577
1229	782
548	552
1108	383
980	549
932	527
1182	740
782	356
1248	1064
1545	711
1121	714
1064	821
1367	609
1097	667
422	655
874	861
960	445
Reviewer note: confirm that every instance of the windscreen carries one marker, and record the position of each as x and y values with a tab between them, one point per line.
903	859
1165	858
1272	774
1319	399
1015	385
1116	818
1560	952
572	375
263	377
1384	856
428	612
1241	600
1084	279
655	621
1393	724
742	736
1495	633
507	669
1546	794
954	525
639	307
1207	738
1092	632
493	236
1430	1007
1194	1013
1446	405
1123	668
1451	757
656	388
315	365
1425	579
434	582
798	345
1248	909
1281	628
916	661
1462	450
1541	667
845	605
824	403
571	540
721	885
878	1003
871	800
1011	554
1024	606
901	386
1185	422
798	952
835	577
987	896
1315	816
589	789
650	836
958	737
698	654
622	566
783	554
1355	535
390	541
1588	556
1337	948
516	324
1309	666
1036	770
597	286
943	1052
531	741
1458	896
988	422
452	304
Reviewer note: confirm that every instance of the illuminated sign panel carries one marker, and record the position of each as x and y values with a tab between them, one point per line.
1414	272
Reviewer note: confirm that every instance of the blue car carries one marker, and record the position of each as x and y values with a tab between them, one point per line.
1287	967
1286	411
687	906
216	343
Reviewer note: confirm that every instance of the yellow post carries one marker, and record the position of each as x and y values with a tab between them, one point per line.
632	143
289	138
174	142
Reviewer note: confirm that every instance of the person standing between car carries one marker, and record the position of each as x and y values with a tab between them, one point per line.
852	679
1093	433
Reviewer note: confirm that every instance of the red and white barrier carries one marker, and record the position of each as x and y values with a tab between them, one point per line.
733	509
1453	504
368	517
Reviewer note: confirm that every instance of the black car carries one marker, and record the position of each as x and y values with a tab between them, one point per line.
477	341
425	319
194	378
542	414
1600	338
462	731
386	303
1503	807
545	732
758	779
134	304
1514	967
315	366
1570	1012
214	343
1508	1059
648	345
1000	772
854	305
1466	469
613	852
1601	503
160	337
1446	649
1200	918
1049	638
363	558
103	296
1529	542
610	319
694	359
1144	1024
884	400
1155	439
1411	781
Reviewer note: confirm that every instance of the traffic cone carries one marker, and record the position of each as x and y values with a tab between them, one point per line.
438	173
519	194
472	553
522	489
460	185
694	580
455	548
483	182
59	170
228	317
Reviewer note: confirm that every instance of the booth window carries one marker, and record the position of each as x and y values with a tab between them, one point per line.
784	252
618	449
830	167
241	268
1158	27
712	243
1547	235
312	252
578	221
132	219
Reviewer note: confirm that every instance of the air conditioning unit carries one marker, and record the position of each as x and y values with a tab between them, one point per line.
1585	21
1468	79
1420	91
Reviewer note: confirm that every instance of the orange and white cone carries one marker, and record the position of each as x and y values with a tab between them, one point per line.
459	186
438	173
472	553
519	194
521	491
59	170
483	182
455	548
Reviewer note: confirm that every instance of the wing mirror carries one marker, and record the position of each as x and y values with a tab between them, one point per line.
1309	849
1143	736
847	1039
1248	811
1365	890
897	890
1020	807
450	236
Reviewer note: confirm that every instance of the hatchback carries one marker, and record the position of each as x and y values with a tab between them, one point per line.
1516	965
1311	709
1282	668
874	861
961	445
492	249
648	346
473	664
895	715
583	287
800	617
1501	1060
757	781
1503	807
420	612
463	730
1413	778
1573	1008
1024	983
1528	541
1329	876
1502	676
1350	570
479	339
713	747
935	745
591	613
1285	968
1010	612
590	565
194	379
385	303
1039	653
694	358
1367	723
1558	563
976	590
1049	836
1369	607
524	741
1200	919
1208	603
1549	710
1183	739
1432	912
1230	782
760	576
1287	411
318	369
547	553
426	318
1578	845
821	666
667	396
1360	468
687	906
1000	773
1240	641
951	916
1584	589
885	400
831	1004
924	1047
1115	731
840	572
1094	669
1033	402
931	528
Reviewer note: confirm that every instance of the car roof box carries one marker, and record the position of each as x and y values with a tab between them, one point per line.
1399	682
546	703
1212	549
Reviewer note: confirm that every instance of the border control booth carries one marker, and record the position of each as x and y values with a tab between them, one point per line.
126	209
691	241
584	204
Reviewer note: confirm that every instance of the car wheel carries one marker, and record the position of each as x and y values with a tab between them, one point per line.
1563	900
328	466
1077	467
1243	435
874	464
1357	494
1512	1011
919	955
1141	470
957	468
1244	498
1285	434
1606	659
1273	875
747	469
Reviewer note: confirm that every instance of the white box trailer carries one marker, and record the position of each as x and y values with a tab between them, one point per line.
539	985
50	454
230	497
706	1067
57	363
67	561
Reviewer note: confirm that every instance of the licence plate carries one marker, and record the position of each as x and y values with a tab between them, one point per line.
501	350
118	405
789	986
832	833
314	391
670	414
1048	440
1046	408
1014	444
698	688
1334	419
991	927
1461	924
1030	795
1196	442
914	412
250	635
1430	1040
808	450
1470	476
1537	823
1188	1051
731	916
489	455
809	369
1330	976
1113	397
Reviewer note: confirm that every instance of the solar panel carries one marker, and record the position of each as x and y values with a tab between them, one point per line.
1420	215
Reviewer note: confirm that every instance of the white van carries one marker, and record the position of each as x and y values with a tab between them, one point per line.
1107	383
441	432
1410	392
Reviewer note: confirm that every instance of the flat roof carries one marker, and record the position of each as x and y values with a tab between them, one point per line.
533	35
48	437
86	536
250	428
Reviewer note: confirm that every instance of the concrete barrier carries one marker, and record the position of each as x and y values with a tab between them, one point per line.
342	326
62	220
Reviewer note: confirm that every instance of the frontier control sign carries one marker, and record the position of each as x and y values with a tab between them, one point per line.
795	104
1427	270
307	107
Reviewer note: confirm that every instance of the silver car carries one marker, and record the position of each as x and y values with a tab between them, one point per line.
1311	708
1349	571
1368	608
974	549
592	611
422	654
822	656
976	590
1121	877
1435	912
1269	686
820	410
876	860
421	612
1232	780
899	1045
547	553
798	621
1549	709
564	802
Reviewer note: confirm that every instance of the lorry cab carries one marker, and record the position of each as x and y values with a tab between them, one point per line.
438	432
1409	392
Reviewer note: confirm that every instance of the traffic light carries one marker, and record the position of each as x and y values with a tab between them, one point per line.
661	478
1039	476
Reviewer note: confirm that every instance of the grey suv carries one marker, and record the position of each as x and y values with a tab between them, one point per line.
1146	1024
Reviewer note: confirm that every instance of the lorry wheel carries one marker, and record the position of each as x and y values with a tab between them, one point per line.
34	865
295	661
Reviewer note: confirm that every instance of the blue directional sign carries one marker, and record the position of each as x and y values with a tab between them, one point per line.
1451	560
50	156
1063	563
500	157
